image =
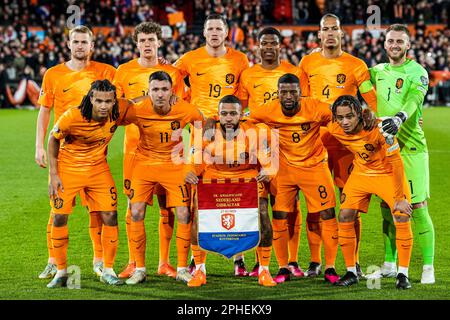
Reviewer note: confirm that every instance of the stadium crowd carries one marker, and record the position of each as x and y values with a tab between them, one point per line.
25	55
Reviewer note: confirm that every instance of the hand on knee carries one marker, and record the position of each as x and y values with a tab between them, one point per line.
401	217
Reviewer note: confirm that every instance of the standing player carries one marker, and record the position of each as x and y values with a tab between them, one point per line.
326	75
159	160
401	86
214	71
63	87
378	170
303	165
235	155
258	85
131	80
77	150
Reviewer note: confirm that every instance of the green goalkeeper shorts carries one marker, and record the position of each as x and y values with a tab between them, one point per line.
418	175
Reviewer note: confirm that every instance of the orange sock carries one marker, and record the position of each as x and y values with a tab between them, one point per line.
60	242
347	241
314	232
199	255
264	255
49	236
95	231
294	227
330	240
166	222
138	241
404	242
110	242
183	243
280	241
131	257
358	226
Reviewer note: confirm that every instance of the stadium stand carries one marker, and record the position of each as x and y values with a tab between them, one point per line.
32	34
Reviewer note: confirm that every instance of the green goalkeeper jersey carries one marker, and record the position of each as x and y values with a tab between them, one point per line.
402	88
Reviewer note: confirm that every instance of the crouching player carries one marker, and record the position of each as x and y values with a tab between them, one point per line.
233	154
80	165
378	169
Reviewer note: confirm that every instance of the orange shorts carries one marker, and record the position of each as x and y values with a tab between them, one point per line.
131	140
315	182
82	194
340	160
170	177
97	185
359	188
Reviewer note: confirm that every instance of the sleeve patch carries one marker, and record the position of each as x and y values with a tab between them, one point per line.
422	89
424	80
393	148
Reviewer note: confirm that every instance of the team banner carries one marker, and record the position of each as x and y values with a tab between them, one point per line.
228	219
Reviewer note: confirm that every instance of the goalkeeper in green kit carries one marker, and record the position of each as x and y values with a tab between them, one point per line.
401	86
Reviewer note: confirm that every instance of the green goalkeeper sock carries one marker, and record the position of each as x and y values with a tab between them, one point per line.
390	247
424	232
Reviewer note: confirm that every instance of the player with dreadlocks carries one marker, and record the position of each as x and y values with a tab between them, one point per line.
77	162
378	169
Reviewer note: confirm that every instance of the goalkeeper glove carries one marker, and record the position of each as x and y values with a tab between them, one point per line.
391	125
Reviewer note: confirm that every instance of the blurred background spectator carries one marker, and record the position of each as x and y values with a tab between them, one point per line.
26	55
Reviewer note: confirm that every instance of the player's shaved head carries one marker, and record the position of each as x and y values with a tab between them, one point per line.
330	16
97	96
330	33
147	28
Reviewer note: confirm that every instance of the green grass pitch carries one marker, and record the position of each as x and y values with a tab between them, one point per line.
24	211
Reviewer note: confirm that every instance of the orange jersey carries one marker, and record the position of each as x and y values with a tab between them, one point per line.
327	79
63	88
84	142
212	78
370	150
240	157
259	85
299	138
131	80
161	138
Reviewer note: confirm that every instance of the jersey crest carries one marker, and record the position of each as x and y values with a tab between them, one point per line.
340	78
229	78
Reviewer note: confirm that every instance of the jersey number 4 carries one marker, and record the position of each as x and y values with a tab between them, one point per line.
326	91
